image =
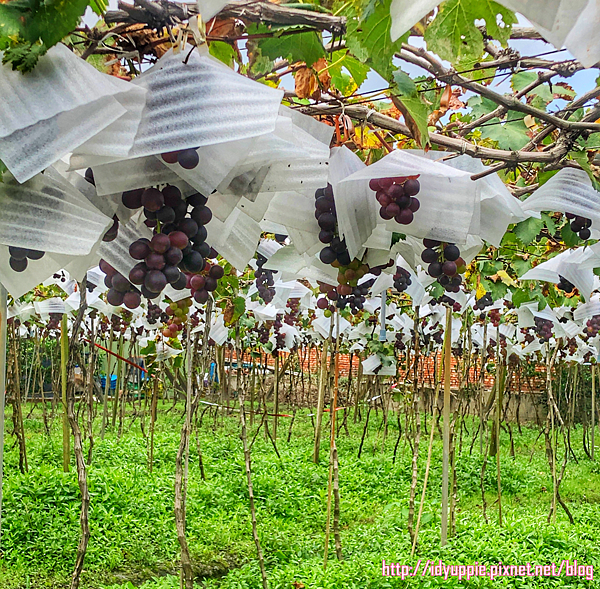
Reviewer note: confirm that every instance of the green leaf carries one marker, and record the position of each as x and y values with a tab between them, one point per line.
223	52
239	308
527	230
358	70
581	157
480	106
370	40
570	238
522	79
549	223
99	6
149	350
520	296
414	103
23	57
453	34
346	83
511	135
306	47
404	83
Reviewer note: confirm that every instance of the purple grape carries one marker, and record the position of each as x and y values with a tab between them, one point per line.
172	195
325	236
18	265
114	297
415	204
412	187
132	299
429	256
166	215
155	261
326	221
137	275
181	282
132	199
178	239
188	159
216	272
189	227
202	215
449	268
160	243
148	293
171	273
18	253
211	284
152	199
327	255
201	296
155	281
197	199
405	217
120	283
193	261
173	256
138	250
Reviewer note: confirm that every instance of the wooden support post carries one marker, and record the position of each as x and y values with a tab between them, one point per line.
64	357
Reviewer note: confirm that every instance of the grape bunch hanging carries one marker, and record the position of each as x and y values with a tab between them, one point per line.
401	279
178	250
580	225
564	285
264	280
120	290
20	256
335	251
592	326
397	198
155	313
445	263
177	313
543	329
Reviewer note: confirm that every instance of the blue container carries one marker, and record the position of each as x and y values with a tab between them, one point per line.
113	382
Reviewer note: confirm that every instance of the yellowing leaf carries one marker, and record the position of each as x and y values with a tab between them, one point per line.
480	291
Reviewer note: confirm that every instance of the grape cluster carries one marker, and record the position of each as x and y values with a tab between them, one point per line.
565	285
445	263
203	284
580	225
592	327
494	316
264	279
402	279
335	251
279	336
178	246
54	321
121	291
155	313
543	328
484	301
528	336
112	231
177	313
186	158
263	334
20	256
335	296
292	315
397	198
398	343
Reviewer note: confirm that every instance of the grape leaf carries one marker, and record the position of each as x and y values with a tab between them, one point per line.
528	229
522	79
23	57
570	238
453	34
404	83
415	106
480	106
223	52
306	47
511	135
369	40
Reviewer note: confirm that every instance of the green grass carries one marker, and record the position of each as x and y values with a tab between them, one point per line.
134	543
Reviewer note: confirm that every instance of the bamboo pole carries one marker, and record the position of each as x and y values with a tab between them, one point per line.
323	381
3	313
64	354
276	395
446	431
332	414
106	386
